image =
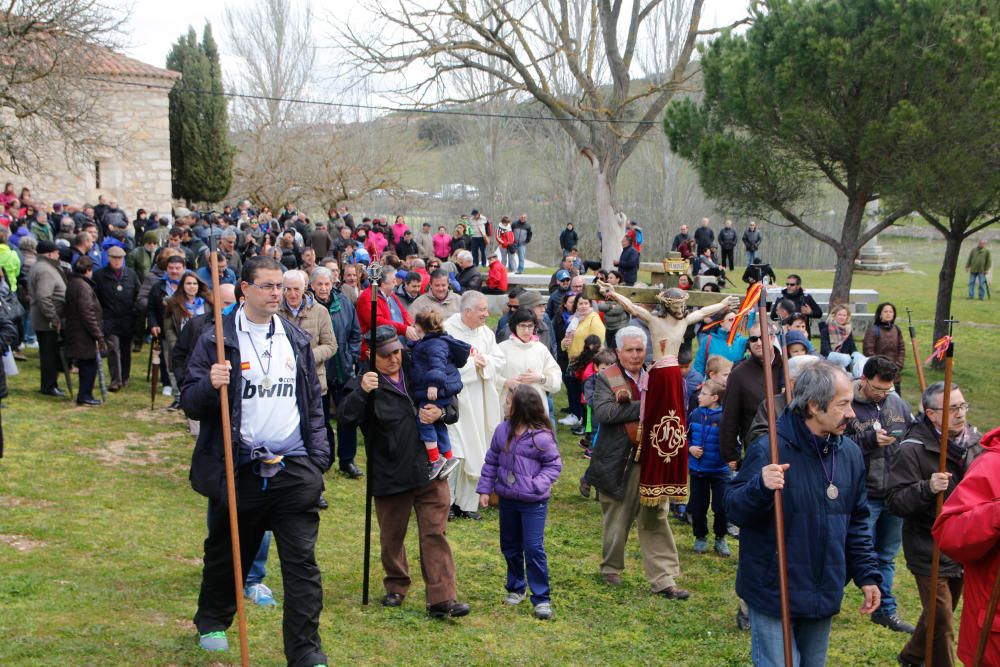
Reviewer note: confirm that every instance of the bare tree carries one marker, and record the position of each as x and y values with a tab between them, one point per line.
288	147
50	47
524	45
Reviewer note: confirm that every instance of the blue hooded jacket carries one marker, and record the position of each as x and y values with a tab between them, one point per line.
435	361
828	541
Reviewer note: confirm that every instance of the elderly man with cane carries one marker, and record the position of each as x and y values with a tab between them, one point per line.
281	451
398	469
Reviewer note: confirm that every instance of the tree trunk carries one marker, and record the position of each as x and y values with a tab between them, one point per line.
946	285
611	226
847	251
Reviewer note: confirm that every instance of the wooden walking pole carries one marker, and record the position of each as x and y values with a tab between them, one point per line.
942	468
374	274
779	512
984	631
916	354
227	446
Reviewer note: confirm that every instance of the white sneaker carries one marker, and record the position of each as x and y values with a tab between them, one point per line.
514	598
168	390
570	420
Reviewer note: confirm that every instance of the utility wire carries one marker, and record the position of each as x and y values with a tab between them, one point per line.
368	107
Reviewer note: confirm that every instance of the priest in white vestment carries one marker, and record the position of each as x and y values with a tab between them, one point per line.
479	409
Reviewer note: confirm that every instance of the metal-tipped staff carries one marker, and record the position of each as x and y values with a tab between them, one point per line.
227	442
374	273
779	512
942	468
916	354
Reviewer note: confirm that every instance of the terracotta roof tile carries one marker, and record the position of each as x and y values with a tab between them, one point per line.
105	62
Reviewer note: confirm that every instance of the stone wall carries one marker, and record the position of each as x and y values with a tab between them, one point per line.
134	165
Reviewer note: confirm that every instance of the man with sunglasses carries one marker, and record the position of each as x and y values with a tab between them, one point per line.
881	417
914	482
804	303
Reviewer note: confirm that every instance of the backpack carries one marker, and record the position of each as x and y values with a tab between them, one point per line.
489	230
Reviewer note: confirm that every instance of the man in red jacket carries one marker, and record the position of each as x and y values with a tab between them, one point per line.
968	531
496	281
390	311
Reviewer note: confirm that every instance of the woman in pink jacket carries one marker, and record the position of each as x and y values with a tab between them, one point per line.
442	243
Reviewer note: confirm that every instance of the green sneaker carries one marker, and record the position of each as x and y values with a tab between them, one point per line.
214	641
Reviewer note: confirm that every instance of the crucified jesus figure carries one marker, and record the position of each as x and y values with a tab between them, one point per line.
661	450
666	331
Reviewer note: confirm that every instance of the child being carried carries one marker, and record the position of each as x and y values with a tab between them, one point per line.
435	362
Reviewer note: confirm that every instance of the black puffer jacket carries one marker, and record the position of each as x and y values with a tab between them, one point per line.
910	493
200	401
388	419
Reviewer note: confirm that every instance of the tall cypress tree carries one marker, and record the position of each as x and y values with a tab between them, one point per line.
200	152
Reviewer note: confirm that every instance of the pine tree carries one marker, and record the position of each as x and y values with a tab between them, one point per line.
200	152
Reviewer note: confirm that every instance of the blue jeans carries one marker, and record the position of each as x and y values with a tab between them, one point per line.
508	256
552	412
751	256
810	639
435	432
522	540
259	568
981	279
520	258
887	533
479	251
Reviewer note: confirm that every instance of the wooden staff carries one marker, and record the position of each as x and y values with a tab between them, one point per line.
227	442
916	354
942	468
374	273
779	512
984	631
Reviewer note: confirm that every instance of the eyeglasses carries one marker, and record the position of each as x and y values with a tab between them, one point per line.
879	390
953	409
267	287
512	307
791	284
753	339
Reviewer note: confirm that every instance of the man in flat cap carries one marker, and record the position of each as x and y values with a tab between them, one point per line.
380	402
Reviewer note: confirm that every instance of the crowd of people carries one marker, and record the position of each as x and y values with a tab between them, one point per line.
457	415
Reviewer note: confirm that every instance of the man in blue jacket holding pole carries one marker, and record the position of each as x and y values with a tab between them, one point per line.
822	480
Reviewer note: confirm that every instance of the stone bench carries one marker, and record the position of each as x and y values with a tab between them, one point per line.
861	300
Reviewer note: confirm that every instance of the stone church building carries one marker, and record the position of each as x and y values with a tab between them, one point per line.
135	96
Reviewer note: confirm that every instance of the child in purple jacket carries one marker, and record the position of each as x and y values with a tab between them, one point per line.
521	466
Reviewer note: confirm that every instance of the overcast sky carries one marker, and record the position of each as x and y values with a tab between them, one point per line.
155	25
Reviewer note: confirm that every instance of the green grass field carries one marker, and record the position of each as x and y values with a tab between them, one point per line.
100	546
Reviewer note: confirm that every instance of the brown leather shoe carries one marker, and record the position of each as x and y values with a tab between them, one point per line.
612	579
114	386
674	593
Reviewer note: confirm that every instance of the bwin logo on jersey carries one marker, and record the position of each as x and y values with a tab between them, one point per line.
285	387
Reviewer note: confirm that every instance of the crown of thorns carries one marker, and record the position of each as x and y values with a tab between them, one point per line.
672	296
